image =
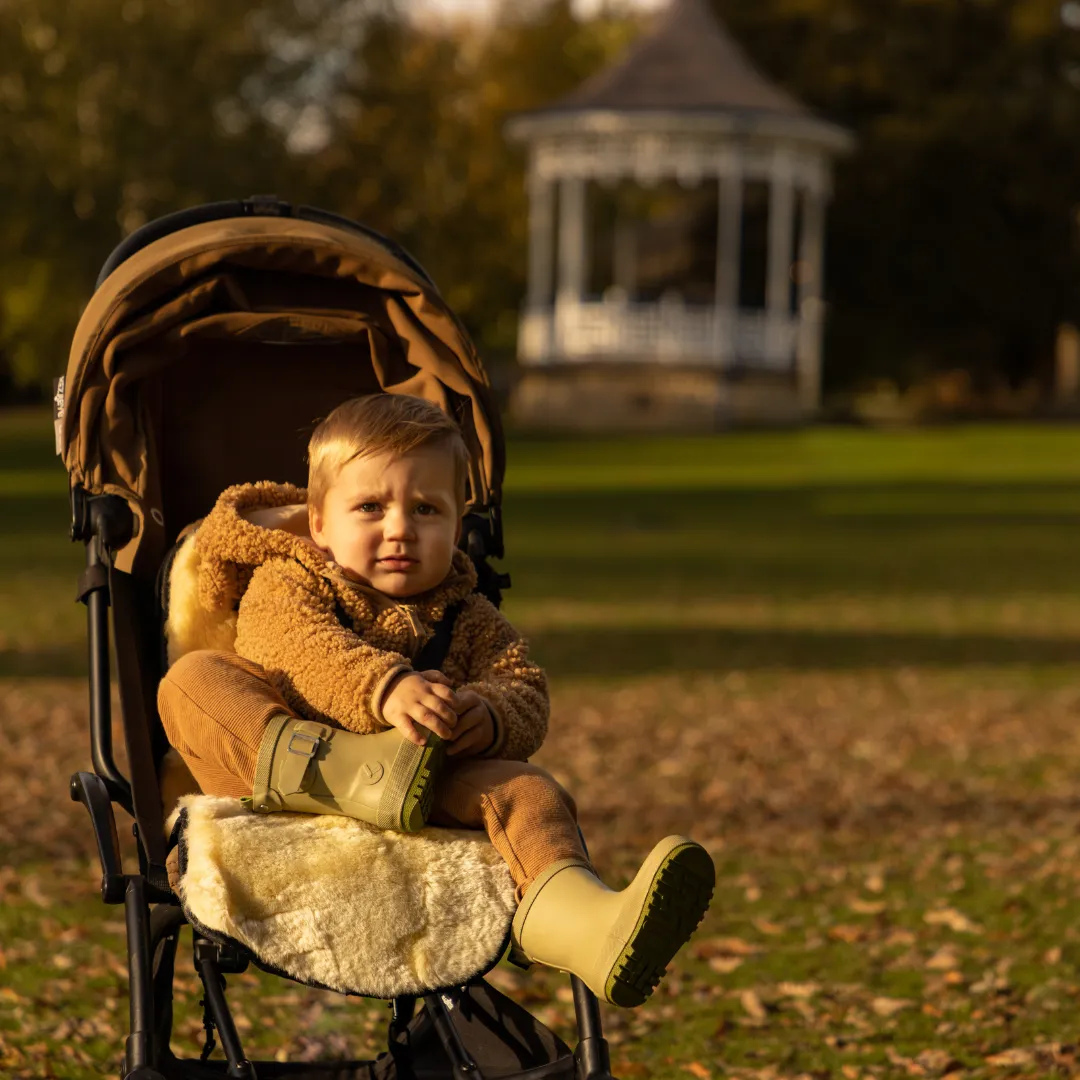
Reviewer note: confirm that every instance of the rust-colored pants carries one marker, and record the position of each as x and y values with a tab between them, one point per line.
215	707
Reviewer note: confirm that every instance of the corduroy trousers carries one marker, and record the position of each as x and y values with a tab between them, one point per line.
216	705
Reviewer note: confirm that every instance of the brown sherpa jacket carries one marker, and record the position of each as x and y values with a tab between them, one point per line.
255	551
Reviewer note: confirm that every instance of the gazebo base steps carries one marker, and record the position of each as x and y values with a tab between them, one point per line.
633	397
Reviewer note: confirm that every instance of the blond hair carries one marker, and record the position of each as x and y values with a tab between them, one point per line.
381	424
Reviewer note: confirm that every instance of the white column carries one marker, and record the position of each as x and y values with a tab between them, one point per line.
573	246
811	304
541	237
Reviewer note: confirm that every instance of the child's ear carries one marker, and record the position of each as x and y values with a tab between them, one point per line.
315	523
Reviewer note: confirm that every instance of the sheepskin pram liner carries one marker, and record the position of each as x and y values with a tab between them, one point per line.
340	904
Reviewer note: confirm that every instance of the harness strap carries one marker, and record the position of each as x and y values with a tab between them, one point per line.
433	652
432	655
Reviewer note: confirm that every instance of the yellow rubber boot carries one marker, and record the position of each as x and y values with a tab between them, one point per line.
316	769
618	943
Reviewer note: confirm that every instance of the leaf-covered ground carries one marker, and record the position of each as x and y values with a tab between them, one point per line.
846	661
896	899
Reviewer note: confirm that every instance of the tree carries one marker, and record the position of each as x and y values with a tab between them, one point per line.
113	112
952	239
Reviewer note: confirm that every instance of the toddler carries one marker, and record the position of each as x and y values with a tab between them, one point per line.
329	705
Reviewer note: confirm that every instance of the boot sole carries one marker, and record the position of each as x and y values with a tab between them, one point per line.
416	769
677	900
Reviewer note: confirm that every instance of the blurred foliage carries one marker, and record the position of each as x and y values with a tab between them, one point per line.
952	237
113	112
420	153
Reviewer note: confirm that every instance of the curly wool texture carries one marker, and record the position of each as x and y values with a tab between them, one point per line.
230	547
432	909
290	597
190	625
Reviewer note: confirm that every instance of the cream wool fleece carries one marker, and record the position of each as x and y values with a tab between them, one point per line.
331	646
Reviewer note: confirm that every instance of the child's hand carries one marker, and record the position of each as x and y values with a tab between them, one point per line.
417	701
475	730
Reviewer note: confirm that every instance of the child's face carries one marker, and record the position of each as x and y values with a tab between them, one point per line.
392	522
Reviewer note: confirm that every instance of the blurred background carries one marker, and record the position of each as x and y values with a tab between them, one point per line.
951	235
780	298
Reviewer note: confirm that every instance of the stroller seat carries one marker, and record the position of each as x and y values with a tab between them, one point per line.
215	339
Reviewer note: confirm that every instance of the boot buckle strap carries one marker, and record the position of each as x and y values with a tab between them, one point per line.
296	766
312	750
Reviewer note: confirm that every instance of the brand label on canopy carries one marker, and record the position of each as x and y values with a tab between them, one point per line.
58	413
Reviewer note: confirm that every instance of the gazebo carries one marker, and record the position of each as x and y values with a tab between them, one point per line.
684	104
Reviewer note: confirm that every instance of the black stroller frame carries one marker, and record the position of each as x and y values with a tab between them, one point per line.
469	1032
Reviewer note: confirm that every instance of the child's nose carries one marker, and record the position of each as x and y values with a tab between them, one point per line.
398	525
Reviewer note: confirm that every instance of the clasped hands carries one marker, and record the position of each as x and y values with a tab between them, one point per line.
424	699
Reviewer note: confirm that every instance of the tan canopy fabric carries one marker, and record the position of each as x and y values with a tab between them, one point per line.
207	357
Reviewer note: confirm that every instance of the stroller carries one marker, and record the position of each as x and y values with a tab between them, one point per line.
215	337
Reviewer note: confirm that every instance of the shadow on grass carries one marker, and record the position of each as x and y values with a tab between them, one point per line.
61	662
622	652
641	651
902	811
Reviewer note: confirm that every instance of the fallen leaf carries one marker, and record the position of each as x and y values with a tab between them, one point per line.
724	946
867	907
887	1006
1011	1058
725	965
1052	956
937	1062
695	1068
945	959
799	990
847	932
763	926
907	1064
953	919
752	1004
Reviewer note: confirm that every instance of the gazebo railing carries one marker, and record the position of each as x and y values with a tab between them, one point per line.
667	332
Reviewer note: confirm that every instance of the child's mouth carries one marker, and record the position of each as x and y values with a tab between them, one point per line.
397	562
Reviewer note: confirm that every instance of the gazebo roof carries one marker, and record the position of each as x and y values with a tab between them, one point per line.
687	63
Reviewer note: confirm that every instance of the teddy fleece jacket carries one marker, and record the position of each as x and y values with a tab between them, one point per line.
331	645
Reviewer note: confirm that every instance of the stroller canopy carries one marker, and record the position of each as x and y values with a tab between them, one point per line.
205	357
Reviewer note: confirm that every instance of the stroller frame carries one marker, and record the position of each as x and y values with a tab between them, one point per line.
423	1044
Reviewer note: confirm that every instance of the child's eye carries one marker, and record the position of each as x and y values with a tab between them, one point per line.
368	507
426	509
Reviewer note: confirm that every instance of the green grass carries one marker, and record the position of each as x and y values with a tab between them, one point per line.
797	550
789	550
844	658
